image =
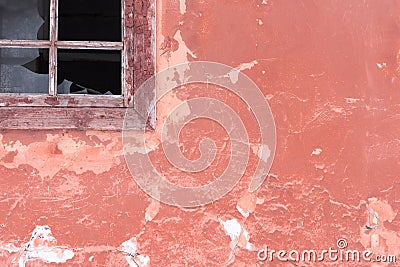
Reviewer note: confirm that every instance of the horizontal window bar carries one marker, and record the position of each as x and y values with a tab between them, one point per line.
62	44
89	45
24	44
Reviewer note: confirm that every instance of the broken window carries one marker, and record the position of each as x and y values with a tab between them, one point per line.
61	47
83	59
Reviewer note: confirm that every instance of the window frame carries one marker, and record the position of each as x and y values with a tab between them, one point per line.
103	112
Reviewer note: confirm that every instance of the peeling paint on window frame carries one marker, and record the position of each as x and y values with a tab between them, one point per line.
52	111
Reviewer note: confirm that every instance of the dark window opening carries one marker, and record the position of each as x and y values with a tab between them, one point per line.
89	72
89	20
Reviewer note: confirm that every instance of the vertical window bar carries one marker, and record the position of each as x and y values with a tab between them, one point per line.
53	48
124	54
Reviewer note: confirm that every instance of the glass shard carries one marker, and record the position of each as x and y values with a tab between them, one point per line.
24	19
24	70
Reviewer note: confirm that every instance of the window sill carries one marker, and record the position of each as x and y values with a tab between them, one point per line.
82	118
25	100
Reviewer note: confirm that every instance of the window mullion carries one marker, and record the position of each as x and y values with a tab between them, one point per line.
53	48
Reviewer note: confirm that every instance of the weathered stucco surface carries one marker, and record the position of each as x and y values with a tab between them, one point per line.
331	73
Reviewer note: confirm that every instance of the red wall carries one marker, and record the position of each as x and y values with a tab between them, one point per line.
330	71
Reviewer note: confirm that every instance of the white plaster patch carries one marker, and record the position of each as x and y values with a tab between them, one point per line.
234	74
247	66
338	109
244	213
381	65
262	152
260	22
316	151
238	235
352	100
232	228
43	233
133	258
260	201
11	248
320	166
55	255
42	245
182	6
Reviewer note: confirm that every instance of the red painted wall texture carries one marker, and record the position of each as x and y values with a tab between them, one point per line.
330	71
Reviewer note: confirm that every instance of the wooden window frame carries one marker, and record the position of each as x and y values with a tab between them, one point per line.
102	112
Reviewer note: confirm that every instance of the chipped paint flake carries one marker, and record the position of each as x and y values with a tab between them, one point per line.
182	44
178	56
247	204
152	210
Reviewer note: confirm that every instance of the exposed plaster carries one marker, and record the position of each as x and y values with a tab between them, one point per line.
234	74
248	202
133	258
239	236
63	152
177	56
262	152
152	210
316	152
182	6
374	234
43	246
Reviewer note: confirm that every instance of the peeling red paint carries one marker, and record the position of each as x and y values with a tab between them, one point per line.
330	71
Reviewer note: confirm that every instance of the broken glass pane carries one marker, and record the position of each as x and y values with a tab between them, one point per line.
24	70
24	19
89	20
94	72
